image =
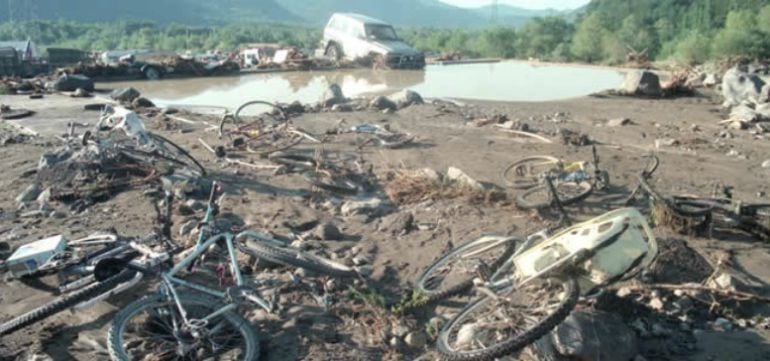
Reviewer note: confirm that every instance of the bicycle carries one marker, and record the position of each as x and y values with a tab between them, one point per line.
318	173
704	213
571	182
539	285
145	146
380	135
203	322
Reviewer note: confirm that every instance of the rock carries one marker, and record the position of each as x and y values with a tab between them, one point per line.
401	224
365	271
44	198
406	98
657	304
371	207
39	357
766	164
360	260
460	177
723	324
618	122
69	83
733	153
382	103
50	159
399	330
195	204
29	194
763	112
594	336
170	111
328	232
711	80
744	114
644	83
739	86
416	339
125	95
623	292
726	281
395	342
142	102
659	331
666	142
341	108
332	96
764	96
432	174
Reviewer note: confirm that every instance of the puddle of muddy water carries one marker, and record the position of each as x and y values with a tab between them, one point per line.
505	81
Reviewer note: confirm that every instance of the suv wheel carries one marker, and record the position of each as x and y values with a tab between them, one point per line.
152	73
333	51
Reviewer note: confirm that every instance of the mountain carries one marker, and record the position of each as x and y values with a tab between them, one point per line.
513	15
191	12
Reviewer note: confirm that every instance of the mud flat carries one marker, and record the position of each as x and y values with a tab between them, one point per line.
697	156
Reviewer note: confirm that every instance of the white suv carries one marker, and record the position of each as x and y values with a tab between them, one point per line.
355	37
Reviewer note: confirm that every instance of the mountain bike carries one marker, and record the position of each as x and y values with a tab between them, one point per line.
540	283
201	322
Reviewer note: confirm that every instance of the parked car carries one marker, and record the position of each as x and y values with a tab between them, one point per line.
356	37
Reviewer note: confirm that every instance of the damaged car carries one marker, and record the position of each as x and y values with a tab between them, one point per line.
359	38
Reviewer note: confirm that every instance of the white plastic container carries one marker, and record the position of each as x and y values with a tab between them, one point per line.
30	257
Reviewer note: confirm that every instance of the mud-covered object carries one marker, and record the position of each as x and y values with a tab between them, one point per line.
382	103
739	86
125	94
589	336
406	98
642	83
71	83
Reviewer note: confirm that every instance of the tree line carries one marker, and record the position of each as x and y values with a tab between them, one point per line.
687	31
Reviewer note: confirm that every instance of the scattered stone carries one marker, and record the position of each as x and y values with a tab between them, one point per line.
416	339
594	335
341	108
360	260
711	80
726	281
432	174
695	128
170	111
395	342
401	224
659	330
371	207
726	134
70	83
739	86
328	232
382	103
365	271
623	292
666	142
460	177
657	304
619	122
332	96
125	95
39	357
733	153
29	194
142	102
644	83
406	98
766	164
400	330
723	324
195	204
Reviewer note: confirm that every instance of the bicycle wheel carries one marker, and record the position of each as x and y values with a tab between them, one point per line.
540	196
292	257
281	115
269	143
525	172
64	302
452	274
489	328
153	326
171	150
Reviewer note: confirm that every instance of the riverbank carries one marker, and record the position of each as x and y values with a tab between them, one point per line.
696	153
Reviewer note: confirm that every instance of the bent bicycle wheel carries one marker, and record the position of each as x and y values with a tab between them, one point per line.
541	197
525	172
452	274
490	328
293	257
153	326
171	150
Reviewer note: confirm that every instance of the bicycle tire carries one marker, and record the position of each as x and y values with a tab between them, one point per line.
237	114
292	257
509	346
532	180
62	303
115	334
524	201
436	295
177	153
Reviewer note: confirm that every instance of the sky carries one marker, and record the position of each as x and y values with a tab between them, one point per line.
529	4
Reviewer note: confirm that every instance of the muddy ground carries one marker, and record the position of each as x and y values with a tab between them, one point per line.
706	156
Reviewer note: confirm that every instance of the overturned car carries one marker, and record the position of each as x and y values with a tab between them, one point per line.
361	38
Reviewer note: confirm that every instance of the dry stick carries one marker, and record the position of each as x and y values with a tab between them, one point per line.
526	134
739	295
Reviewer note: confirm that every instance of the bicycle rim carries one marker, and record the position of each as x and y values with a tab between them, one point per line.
490	328
146	327
524	173
540	196
173	151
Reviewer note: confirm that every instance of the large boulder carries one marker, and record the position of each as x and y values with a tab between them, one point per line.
590	335
406	98
70	83
739	86
332	96
643	83
125	94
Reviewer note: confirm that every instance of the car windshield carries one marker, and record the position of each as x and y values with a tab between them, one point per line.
381	32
